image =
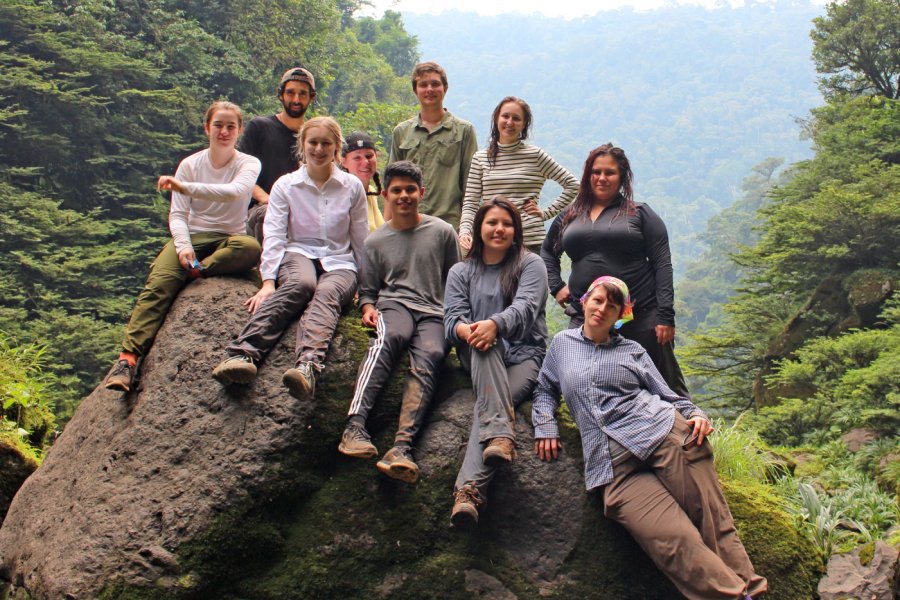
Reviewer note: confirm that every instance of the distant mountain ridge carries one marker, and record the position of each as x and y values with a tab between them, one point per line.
696	97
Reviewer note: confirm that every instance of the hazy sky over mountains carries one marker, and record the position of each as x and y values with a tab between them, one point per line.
569	9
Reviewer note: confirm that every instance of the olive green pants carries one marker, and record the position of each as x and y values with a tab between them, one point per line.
220	253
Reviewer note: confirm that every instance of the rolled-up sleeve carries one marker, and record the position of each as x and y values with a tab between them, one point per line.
546	397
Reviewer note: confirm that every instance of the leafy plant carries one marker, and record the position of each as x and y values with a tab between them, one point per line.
25	408
739	452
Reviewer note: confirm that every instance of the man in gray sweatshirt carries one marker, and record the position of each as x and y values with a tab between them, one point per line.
401	296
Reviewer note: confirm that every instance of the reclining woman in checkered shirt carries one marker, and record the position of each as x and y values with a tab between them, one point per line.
643	447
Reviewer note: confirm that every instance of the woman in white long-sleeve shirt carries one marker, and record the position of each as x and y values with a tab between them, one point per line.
210	195
313	236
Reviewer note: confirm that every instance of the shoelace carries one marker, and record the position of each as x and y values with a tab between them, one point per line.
122	366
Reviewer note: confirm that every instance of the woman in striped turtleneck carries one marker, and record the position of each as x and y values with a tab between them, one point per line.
516	170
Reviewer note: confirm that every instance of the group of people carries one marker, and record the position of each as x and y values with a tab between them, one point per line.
458	257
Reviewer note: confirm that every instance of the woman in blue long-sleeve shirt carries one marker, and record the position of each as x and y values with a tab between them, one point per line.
494	314
644	449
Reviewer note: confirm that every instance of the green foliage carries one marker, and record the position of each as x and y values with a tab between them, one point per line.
710	279
25	407
838	213
857	47
389	38
376	119
852	382
820	519
724	360
739	453
98	99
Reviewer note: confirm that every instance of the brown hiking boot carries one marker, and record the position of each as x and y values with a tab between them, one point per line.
466	503
356	442
121	376
235	369
499	451
301	381
398	463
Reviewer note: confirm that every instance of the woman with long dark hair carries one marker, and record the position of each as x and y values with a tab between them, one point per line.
605	231
499	337
516	170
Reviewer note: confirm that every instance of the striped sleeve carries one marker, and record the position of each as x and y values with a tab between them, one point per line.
551	169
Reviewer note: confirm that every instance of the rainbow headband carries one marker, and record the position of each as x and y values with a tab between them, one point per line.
627	313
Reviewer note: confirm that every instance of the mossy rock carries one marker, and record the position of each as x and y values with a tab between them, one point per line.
17	462
186	490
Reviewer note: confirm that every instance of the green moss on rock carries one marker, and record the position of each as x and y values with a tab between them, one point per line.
778	550
17	462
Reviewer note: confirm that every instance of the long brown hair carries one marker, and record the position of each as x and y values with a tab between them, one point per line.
511	265
585	198
494	139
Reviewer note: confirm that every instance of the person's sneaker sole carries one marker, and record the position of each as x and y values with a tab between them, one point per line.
466	518
370	452
118	386
240	373
296	384
401	472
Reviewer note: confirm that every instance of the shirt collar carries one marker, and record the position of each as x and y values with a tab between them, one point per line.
440	125
301	176
614	338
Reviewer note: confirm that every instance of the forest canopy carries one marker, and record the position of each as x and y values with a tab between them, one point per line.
100	97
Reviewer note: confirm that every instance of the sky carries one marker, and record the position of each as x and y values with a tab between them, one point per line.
569	9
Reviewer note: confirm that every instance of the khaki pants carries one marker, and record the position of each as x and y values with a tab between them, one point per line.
674	508
222	254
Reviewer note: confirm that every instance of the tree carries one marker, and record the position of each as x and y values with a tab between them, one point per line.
390	39
839	213
97	99
857	48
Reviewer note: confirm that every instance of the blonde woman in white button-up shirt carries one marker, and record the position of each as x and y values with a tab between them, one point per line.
312	252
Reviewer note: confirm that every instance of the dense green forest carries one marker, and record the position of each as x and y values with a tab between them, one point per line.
795	330
696	97
802	323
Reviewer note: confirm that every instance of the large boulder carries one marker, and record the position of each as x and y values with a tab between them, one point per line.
185	489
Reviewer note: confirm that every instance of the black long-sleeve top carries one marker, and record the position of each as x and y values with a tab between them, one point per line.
634	248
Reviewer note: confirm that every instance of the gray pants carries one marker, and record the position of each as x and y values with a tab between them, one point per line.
673	507
398	329
303	287
256	216
498	390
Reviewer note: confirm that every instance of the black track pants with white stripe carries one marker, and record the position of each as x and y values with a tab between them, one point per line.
399	329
